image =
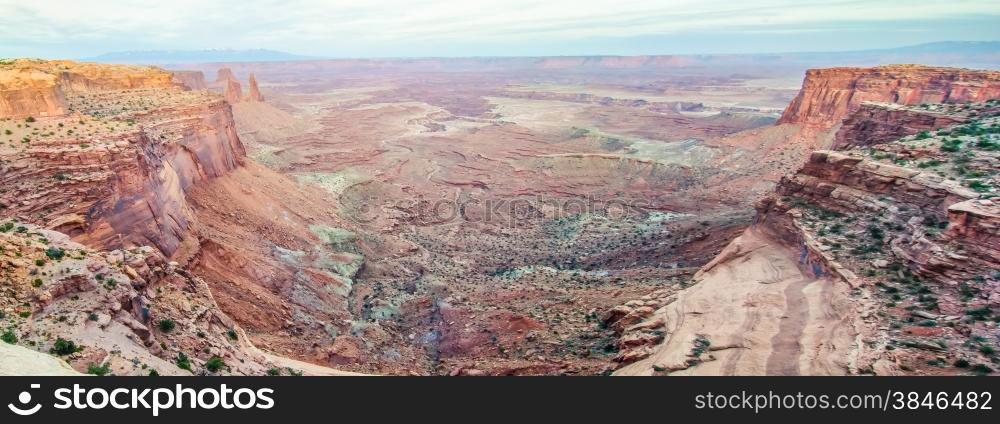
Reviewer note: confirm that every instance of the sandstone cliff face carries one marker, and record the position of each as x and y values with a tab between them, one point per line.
224	75
39	88
120	179
254	94
830	95
24	93
193	80
233	93
876	123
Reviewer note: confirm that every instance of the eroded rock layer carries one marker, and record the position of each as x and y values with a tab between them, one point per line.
831	94
878	259
115	172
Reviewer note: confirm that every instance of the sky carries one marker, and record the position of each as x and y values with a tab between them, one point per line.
412	28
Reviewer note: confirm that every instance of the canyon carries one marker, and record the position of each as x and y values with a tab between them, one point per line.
568	216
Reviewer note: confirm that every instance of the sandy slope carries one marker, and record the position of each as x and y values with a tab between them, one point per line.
20	361
761	314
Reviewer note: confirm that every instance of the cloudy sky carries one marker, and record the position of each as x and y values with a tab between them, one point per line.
394	28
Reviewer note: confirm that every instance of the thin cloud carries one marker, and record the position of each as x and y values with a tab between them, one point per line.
330	27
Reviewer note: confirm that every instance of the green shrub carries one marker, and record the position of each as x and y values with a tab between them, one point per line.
183	362
167	325
99	370
962	363
64	347
215	364
9	337
951	146
55	254
232	335
982	369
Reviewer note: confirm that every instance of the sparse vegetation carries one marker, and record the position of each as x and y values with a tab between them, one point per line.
167	325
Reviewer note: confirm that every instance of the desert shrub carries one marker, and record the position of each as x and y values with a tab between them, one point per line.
215	364
9	337
167	325
982	369
99	370
232	335
64	347
951	145
183	362
54	253
961	363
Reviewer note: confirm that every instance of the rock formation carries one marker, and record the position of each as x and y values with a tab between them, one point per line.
878	259
193	80
829	95
127	311
254	94
224	75
876	123
39	88
120	180
233	93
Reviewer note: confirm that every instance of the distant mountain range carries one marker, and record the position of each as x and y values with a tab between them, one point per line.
954	53
159	57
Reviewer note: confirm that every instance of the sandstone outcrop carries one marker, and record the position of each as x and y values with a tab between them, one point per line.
876	123
117	177
129	311
193	80
253	95
224	75
829	95
233	92
20	362
38	88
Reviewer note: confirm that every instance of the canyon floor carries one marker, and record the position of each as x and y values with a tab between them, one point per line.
501	214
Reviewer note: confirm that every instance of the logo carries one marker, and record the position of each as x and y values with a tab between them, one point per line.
25	398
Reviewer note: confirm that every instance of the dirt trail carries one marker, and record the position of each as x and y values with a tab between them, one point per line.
761	314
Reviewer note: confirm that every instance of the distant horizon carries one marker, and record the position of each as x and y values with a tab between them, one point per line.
296	57
512	28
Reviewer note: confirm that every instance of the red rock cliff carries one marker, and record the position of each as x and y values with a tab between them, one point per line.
112	176
829	95
39	88
875	123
